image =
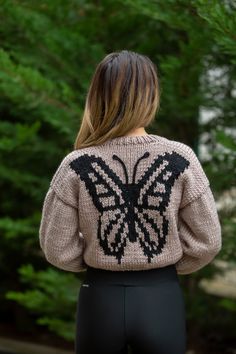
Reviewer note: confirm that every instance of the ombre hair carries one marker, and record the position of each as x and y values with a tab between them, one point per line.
124	94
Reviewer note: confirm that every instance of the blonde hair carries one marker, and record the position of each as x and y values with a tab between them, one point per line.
124	94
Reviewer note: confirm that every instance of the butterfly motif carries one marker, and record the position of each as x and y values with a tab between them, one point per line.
131	211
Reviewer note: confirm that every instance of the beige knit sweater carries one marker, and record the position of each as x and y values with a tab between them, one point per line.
131	203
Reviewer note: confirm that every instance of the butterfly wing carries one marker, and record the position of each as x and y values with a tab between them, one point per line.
155	188
108	196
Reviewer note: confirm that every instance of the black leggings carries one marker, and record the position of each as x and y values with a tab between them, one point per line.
142	309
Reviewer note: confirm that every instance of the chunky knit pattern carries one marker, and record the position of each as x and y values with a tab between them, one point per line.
131	203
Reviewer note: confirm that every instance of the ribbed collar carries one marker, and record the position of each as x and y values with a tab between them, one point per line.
135	139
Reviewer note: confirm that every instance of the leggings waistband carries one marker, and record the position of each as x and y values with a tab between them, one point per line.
135	277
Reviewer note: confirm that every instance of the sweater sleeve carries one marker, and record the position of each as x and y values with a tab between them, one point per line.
59	235
199	232
195	180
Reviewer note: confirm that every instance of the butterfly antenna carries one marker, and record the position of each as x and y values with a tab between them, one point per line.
146	154
115	157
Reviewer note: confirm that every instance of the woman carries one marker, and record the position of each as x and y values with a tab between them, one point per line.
134	210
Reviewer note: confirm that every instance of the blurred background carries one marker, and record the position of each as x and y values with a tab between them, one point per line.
48	53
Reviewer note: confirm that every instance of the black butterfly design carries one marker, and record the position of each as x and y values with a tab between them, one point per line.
134	211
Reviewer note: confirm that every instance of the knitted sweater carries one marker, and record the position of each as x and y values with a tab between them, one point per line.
131	203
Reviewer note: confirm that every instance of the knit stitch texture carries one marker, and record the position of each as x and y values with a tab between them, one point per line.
131	203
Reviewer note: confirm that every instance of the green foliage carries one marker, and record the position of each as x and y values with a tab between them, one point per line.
228	223
228	304
44	75
222	22
51	295
227	140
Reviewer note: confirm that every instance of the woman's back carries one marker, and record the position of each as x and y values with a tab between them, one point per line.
137	202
